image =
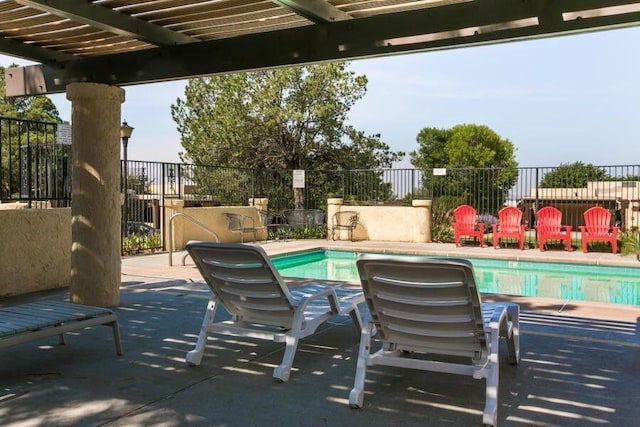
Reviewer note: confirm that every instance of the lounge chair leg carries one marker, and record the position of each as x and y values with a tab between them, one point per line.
490	413
356	396
194	357
356	317
283	371
513	341
61	339
116	338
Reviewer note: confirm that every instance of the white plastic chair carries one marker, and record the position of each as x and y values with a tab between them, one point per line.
422	307
244	281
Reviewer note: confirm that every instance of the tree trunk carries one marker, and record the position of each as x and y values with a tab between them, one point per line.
298	198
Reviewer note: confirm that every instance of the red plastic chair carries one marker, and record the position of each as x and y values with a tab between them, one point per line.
466	225
598	227
549	227
509	226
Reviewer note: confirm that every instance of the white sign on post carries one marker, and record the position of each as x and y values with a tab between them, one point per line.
63	134
298	178
439	171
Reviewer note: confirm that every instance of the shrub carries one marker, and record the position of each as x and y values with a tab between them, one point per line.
628	242
441	218
140	243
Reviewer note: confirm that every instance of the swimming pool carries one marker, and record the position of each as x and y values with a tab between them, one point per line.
617	285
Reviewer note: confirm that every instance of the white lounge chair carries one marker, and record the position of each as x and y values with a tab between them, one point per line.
25	322
422	307
244	281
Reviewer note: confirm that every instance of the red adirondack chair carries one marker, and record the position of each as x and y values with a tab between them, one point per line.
598	227
509	226
466	225
549	227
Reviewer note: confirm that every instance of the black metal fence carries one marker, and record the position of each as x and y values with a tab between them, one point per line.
36	170
35	162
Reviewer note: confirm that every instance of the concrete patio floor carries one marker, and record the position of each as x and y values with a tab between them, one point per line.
580	363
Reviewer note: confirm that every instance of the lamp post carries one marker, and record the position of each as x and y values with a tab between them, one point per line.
125	134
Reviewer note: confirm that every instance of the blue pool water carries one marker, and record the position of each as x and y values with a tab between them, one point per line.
617	285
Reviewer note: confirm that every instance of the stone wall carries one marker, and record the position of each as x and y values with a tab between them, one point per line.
184	229
386	223
35	253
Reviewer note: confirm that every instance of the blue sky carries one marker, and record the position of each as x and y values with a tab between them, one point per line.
559	100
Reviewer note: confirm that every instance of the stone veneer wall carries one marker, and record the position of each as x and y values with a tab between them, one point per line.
35	253
211	217
386	223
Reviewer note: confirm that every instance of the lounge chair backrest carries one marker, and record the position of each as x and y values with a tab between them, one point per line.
549	220
345	219
244	280
303	217
294	217
509	219
235	222
266	218
465	217
424	305
317	217
597	220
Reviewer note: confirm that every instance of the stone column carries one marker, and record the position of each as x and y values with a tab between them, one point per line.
173	228
423	220
95	208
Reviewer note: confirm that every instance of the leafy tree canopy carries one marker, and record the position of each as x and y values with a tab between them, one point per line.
37	108
463	146
481	166
291	118
575	175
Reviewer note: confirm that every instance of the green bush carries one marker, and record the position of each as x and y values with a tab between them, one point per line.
141	243
442	217
628	242
306	232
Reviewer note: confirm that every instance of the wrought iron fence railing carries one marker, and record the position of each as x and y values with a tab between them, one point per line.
35	163
36	169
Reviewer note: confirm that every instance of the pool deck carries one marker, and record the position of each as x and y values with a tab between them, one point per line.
580	362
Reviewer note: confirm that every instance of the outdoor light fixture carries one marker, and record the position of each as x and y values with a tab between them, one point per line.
125	131
125	134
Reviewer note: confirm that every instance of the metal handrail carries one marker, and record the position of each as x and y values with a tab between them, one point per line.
194	221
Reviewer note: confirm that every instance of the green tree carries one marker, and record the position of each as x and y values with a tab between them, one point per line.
574	175
480	165
292	118
29	129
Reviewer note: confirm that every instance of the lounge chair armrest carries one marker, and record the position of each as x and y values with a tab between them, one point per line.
567	228
498	317
328	293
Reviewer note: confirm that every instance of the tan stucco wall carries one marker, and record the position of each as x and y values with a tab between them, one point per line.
35	253
211	217
387	223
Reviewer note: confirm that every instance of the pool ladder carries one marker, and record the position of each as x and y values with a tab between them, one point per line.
192	220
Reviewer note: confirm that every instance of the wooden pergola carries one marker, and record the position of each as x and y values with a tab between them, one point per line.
122	42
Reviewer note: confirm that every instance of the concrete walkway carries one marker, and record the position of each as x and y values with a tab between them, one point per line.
580	366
